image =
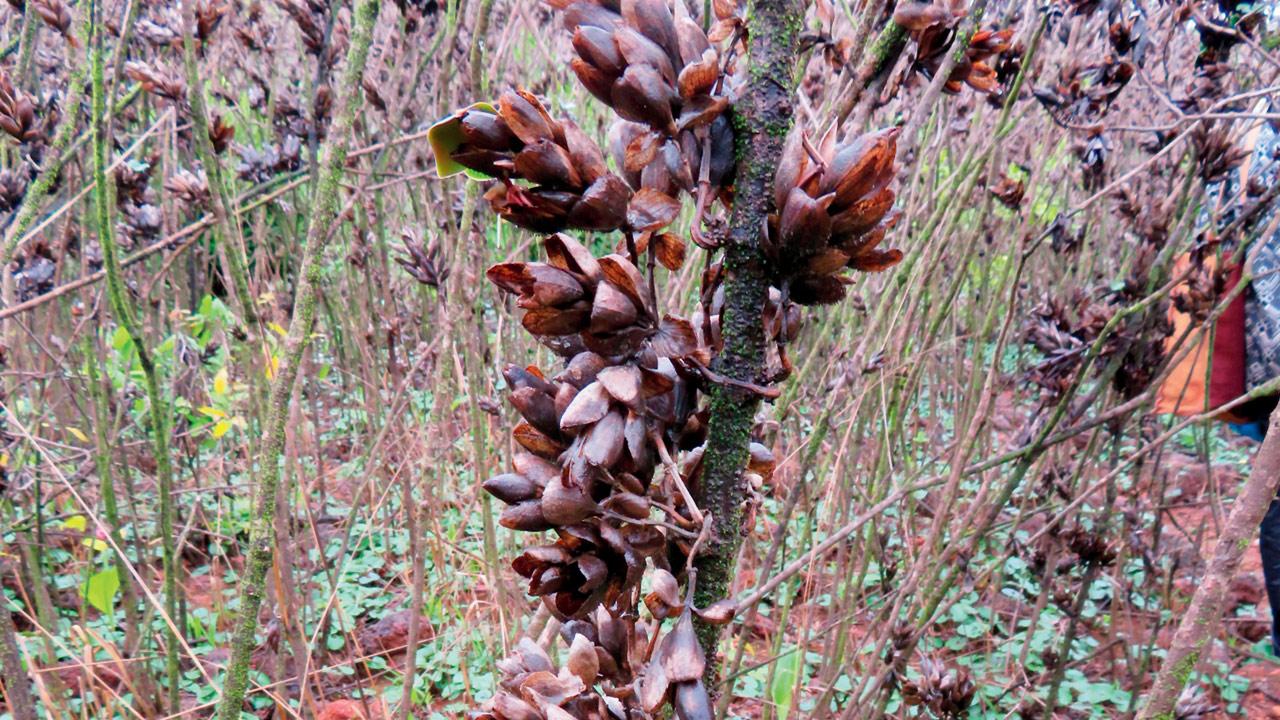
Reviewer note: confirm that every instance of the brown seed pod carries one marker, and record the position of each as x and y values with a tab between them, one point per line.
518	142
17	113
834	210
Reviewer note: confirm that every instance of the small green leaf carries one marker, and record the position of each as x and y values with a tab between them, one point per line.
784	682
120	338
101	588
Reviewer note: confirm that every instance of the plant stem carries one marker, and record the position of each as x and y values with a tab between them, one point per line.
1200	621
110	505
227	239
762	120
320	229
17	687
123	307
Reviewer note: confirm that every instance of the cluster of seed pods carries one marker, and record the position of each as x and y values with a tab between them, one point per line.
593	438
611	443
572	186
932	27
596	680
17	112
834	207
653	64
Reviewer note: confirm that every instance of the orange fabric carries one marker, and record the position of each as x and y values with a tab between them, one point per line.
1184	392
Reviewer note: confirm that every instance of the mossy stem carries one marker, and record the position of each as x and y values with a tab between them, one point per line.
126	314
320	229
764	118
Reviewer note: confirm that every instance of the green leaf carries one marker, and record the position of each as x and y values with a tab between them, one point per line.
446	136
120	338
101	588
76	522
784	682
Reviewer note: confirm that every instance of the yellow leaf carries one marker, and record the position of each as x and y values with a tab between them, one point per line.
220	382
212	412
75	432
76	522
279	330
221	428
272	367
94	543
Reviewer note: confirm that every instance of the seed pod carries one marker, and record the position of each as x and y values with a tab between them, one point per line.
692	701
639	51
612	310
510	707
535	469
642	95
568	254
817	290
546	163
582	369
605	440
622	383
654	20
536	442
651	210
582	660
623	275
664	600
537	408
526	516
525	117
628	504
859	166
588	406
864	214
557	321
565	504
603	205
596	47
720	612
511	488
681	653
486	130
805	224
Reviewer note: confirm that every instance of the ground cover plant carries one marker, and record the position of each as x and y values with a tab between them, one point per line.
809	348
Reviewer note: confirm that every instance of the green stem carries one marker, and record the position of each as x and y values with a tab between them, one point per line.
320	229
44	181
123	307
228	240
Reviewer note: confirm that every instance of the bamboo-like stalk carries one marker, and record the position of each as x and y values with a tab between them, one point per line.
48	175
110	504
320	229
227	238
26	40
122	306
